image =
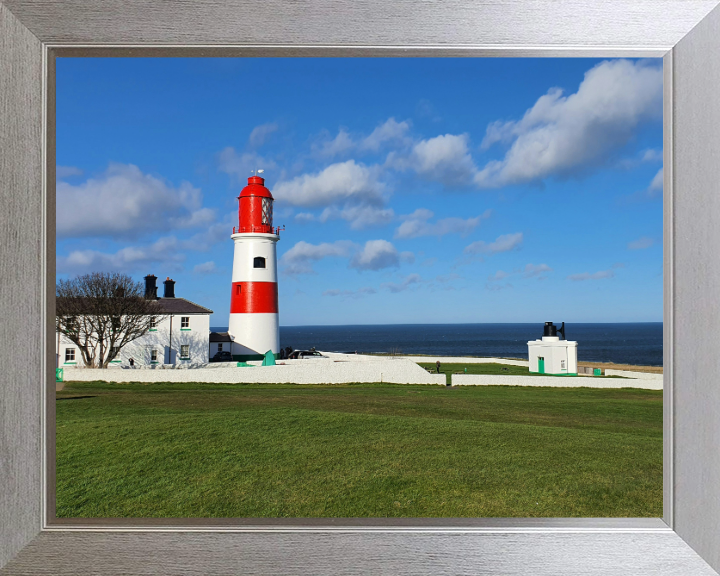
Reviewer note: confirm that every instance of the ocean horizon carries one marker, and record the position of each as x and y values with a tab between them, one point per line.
637	343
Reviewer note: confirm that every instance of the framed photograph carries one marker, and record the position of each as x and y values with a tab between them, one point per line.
685	34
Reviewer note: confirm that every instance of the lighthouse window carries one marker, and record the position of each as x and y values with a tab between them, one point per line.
266	212
259	262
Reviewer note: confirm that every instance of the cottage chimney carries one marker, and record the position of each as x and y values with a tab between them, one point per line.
151	287
169	288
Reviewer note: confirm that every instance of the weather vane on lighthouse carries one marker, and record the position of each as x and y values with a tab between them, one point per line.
254	322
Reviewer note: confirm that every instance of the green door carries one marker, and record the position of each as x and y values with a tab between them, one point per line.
541	365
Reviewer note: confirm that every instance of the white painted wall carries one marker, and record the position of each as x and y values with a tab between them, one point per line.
197	338
560	355
554	381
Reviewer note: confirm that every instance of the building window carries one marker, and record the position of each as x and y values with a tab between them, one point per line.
184	322
153	323
220	347
185	351
259	262
238	289
69	354
153	355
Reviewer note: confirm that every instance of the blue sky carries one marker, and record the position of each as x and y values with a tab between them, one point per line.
412	190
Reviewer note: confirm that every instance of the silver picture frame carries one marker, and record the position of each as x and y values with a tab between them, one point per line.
686	33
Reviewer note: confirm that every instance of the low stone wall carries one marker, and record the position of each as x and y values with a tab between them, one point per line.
636	375
321	371
554	381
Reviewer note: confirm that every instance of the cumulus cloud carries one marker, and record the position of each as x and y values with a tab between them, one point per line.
651	155
360	217
67	171
205	268
131	259
376	255
538	271
641	243
338	182
561	135
416	225
260	134
300	258
389	132
443	158
503	243
126	203
240	164
404	285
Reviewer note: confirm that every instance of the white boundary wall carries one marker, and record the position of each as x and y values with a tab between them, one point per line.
321	371
636	375
554	381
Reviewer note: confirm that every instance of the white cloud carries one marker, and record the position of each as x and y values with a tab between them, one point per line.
67	171
595	276
390	131
205	268
561	135
375	255
299	259
503	243
360	217
536	270
652	155
404	285
338	182
131	259
416	225
656	186
126	203
240	164
260	134
499	275
445	158
641	243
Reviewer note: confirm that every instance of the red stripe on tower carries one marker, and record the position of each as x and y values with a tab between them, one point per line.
254	298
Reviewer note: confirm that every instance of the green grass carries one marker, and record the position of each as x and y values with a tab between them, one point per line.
214	450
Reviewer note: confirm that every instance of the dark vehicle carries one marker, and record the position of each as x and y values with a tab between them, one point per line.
300	354
223	356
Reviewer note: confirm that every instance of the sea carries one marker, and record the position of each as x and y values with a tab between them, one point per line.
639	344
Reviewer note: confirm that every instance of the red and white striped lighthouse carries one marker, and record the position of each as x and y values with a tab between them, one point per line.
254	322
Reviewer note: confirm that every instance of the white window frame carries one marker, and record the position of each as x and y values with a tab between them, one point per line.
70	355
184	322
184	347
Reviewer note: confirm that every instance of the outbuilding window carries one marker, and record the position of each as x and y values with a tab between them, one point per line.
220	347
69	354
153	355
184	322
185	351
259	262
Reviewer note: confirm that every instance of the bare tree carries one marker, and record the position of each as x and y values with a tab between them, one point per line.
101	313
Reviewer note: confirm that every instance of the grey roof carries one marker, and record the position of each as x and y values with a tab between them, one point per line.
181	306
220	337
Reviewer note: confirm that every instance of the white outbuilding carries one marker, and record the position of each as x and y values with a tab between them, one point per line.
553	356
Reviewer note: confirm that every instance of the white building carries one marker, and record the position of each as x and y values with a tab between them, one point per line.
182	337
553	356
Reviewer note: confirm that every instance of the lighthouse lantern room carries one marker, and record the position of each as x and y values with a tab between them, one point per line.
254	321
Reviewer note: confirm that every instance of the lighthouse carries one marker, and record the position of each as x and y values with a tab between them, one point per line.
254	322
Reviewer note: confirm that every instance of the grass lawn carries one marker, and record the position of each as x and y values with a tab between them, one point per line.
363	450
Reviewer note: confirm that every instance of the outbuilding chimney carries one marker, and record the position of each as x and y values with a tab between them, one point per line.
169	288
151	287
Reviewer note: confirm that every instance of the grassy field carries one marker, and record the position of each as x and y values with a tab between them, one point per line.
214	450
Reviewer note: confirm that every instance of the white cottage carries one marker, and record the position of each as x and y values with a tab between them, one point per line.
181	338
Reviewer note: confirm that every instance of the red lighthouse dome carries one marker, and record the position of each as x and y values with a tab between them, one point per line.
255	209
